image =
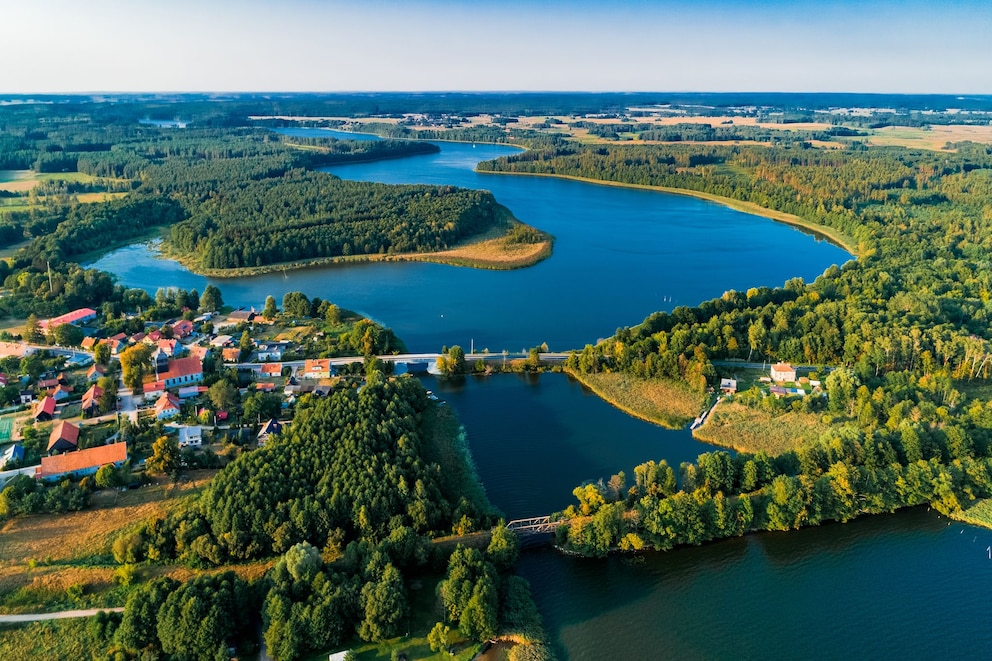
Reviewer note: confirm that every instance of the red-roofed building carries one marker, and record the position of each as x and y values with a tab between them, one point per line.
182	328
91	400
167	406
198	351
182	371
83	462
61	392
153	389
265	387
44	409
89	343
783	373
75	317
231	355
95	372
317	369
272	369
64	437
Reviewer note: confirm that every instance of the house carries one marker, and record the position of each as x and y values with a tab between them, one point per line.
186	392
167	406
15	349
271	350
319	368
190	436
182	328
44	410
64	437
221	341
91	401
172	347
182	371
13	454
95	372
153	389
265	387
272	369
27	396
270	428
83	462
153	337
48	384
197	351
778	391
728	386
137	337
241	315
116	345
89	343
231	354
60	393
75	317
783	372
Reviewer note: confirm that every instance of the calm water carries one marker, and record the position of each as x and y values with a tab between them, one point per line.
904	586
619	255
907	586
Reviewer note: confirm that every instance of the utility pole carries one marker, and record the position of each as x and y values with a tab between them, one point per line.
51	289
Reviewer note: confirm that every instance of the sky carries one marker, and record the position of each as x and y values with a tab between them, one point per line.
909	46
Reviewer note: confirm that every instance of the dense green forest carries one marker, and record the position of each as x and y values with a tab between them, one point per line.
216	187
907	323
349	498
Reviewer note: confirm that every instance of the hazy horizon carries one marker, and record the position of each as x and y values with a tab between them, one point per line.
300	46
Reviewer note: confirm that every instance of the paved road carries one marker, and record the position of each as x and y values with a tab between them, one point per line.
61	615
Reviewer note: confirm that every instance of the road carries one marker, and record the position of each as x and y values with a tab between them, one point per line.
61	615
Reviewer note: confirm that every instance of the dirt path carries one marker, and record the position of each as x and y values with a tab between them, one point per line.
37	617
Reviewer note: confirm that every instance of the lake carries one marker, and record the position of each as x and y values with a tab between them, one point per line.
620	254
902	586
911	585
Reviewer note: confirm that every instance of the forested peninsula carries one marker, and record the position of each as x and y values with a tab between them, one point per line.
903	333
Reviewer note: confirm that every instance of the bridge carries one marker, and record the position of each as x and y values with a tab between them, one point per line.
533	526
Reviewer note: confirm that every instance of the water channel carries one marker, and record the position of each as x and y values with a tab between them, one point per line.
909	585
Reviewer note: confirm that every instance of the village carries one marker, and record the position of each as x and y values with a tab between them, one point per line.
187	392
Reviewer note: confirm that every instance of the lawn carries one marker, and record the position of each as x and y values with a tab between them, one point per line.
746	429
977	514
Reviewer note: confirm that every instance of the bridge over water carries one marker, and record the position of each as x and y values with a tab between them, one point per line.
534	525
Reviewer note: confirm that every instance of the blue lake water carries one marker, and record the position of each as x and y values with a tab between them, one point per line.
906	586
620	254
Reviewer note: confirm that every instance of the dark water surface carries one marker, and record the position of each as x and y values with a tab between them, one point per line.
906	586
620	255
911	585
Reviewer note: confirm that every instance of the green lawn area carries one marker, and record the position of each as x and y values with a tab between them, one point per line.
977	514
6	426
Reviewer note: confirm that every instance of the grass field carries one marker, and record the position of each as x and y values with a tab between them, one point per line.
662	402
977	514
745	429
64	640
6	427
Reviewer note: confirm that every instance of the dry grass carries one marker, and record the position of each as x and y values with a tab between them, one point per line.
17	180
65	640
746	429
663	402
977	514
934	137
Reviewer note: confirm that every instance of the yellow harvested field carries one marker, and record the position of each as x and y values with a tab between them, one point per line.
17	180
934	137
666	403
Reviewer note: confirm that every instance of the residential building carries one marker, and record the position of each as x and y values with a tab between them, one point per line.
271	427
75	317
319	368
182	371
91	401
783	373
44	410
13	453
95	372
83	462
190	436
167	406
64	437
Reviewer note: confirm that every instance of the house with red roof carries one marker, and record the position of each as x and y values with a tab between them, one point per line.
83	462
319	368
272	369
95	372
153	389
64	437
76	317
167	406
231	355
198	351
44	410
181	372
89	343
182	328
61	392
91	401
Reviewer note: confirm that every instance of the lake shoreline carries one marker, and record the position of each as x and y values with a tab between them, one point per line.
828	234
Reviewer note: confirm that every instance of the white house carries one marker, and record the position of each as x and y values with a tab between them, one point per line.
190	436
783	373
